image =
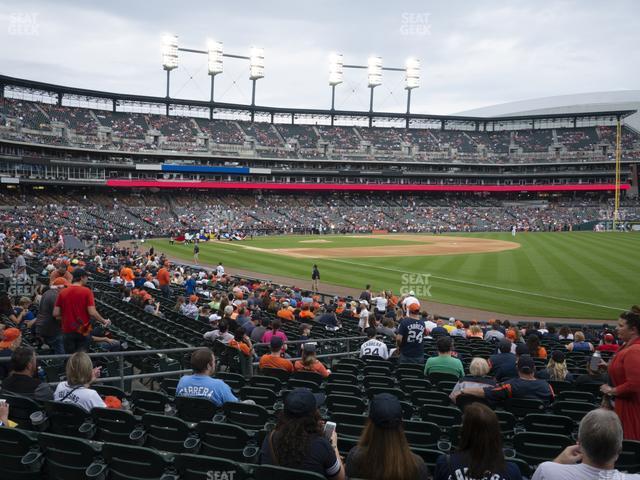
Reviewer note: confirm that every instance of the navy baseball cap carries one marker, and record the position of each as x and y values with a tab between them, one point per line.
302	401
385	411
79	273
526	364
522	349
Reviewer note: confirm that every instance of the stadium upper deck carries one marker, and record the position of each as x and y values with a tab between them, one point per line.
198	142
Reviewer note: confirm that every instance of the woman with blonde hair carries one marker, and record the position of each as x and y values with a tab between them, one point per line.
80	375
475	332
556	369
579	344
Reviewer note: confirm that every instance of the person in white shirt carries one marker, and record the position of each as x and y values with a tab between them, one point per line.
80	375
599	445
374	347
429	324
219	270
363	323
410	299
380	303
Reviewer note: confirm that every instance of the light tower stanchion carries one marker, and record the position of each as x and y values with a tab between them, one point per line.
616	206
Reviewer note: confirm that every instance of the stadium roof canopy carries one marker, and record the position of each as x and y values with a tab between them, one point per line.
35	90
568	104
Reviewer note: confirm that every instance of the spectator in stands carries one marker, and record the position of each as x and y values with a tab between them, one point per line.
478	371
410	335
164	280
274	359
597	376
220	334
274	332
200	384
595	454
439	330
48	327
75	306
23	313
126	273
366	294
22	380
80	375
383	451
179	304
579	344
535	349
102	340
363	315
328	317
565	333
298	440
557	369
190	309
242	342
4	416
285	312
11	340
373	347
526	385
608	344
60	272
503	364
259	329
387	329
309	362
624	374
475	332
444	362
494	334
479	453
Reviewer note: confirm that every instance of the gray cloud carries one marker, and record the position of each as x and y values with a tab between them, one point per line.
473	53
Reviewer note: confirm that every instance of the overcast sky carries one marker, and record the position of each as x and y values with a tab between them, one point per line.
473	53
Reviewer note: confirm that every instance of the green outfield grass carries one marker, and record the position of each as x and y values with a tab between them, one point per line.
573	275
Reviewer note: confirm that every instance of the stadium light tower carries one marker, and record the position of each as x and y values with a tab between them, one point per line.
412	80
214	54
256	72
169	58
336	75
374	70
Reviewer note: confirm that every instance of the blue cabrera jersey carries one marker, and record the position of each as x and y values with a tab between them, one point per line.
412	331
202	386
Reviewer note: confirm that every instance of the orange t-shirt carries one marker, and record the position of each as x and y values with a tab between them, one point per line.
307	314
317	367
127	274
243	347
269	361
285	314
163	277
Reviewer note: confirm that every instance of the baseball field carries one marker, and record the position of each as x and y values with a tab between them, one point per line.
581	275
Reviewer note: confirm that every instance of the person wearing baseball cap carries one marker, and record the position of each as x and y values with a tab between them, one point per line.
525	385
274	359
556	368
383	450
409	337
608	344
48	327
75	307
299	441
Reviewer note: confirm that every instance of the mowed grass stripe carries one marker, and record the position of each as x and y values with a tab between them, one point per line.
529	280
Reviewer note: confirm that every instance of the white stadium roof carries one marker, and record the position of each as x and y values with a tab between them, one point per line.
577	103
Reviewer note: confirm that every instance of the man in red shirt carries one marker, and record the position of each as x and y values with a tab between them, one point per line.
75	306
608	344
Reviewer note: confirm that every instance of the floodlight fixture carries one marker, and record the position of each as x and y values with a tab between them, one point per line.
336	69
256	63
214	52
169	52
412	73
374	70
